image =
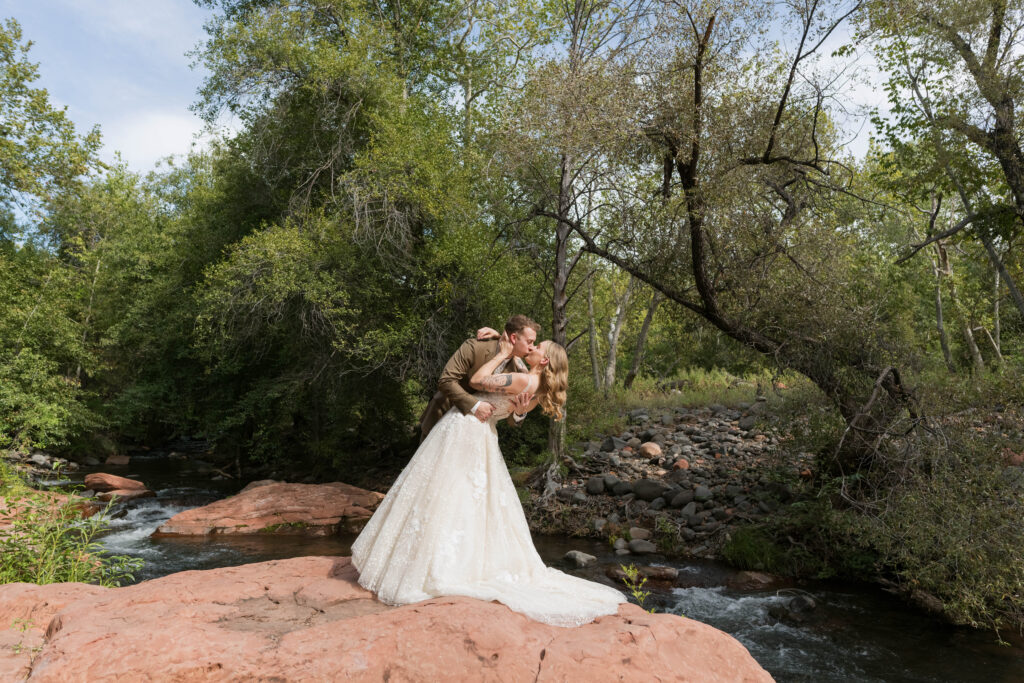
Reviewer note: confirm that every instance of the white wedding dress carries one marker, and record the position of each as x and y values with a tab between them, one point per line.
452	524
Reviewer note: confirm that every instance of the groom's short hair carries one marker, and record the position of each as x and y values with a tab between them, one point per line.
518	323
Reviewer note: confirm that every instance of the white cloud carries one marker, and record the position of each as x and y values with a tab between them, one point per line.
145	137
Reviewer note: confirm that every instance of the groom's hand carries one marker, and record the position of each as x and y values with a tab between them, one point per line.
521	403
486	333
484	411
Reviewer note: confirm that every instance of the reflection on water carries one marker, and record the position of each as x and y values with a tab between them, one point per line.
852	635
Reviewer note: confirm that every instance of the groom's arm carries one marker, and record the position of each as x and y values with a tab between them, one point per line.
459	366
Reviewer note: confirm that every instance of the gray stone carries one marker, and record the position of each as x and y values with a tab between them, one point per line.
40	459
682	498
640	546
578	559
622	488
599	523
614	518
689	509
610	480
657	504
747	422
687	533
720	514
579	497
702	494
620	543
634	443
639	532
595	485
667	419
716	408
564	494
614	460
612	444
649	489
92	461
622	551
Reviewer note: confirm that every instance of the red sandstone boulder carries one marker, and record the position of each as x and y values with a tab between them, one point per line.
118	460
277	507
101	481
306	619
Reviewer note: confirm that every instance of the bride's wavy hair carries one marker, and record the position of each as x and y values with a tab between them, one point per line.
554	381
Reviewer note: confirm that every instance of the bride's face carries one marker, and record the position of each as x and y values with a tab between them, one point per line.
537	354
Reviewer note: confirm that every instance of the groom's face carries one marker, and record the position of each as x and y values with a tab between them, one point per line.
523	342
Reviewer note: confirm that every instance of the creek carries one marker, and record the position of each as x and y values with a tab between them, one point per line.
853	633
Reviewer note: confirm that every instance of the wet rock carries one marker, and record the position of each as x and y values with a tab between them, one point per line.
651	573
620	543
622	551
578	559
118	460
124	495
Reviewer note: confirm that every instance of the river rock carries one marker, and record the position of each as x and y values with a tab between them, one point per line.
639	532
702	494
101	481
118	460
612	443
306	619
651	573
620	543
306	509
622	488
682	498
578	559
747	422
595	485
649	489
640	546
650	450
681	464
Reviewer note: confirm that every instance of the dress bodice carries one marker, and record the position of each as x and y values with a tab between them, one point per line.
502	403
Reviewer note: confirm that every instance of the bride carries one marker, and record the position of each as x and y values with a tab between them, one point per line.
452	523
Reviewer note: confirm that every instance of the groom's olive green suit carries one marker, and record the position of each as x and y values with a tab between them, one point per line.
453	388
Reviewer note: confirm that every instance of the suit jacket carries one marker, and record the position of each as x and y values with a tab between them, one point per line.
453	388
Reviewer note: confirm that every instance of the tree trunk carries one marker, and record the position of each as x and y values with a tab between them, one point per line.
641	340
614	330
595	366
997	325
972	346
939	323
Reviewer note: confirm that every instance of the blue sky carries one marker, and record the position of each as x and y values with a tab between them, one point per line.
120	64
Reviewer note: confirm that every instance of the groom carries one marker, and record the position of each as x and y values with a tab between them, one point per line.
453	387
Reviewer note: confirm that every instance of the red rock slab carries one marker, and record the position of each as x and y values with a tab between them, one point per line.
306	619
101	481
281	508
25	611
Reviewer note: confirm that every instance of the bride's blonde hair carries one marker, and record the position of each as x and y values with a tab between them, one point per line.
554	381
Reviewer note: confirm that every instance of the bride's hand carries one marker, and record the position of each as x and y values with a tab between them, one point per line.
486	333
504	346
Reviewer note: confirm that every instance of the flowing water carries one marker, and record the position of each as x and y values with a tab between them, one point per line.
852	633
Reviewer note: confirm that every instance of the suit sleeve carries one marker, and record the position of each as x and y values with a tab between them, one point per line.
458	366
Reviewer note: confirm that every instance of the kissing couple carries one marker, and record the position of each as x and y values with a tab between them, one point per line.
452	523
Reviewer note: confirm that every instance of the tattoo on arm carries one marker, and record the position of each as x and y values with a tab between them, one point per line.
496	381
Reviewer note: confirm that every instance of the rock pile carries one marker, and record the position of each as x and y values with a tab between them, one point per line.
691	473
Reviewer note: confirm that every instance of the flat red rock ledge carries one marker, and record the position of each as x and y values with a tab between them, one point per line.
306	619
274	507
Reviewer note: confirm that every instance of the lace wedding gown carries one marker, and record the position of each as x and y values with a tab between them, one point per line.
452	524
